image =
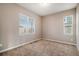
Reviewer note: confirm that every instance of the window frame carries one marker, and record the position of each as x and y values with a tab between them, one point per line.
30	33
71	25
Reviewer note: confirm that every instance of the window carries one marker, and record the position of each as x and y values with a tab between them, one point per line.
26	24
68	25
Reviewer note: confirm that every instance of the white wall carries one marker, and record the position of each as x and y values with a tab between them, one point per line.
9	21
53	27
77	26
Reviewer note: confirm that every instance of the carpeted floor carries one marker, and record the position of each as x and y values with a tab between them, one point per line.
43	48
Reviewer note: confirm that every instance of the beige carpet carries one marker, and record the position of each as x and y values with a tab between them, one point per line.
43	48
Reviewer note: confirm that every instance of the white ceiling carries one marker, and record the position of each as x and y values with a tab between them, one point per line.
43	9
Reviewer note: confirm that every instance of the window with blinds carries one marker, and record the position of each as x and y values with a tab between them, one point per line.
26	24
68	25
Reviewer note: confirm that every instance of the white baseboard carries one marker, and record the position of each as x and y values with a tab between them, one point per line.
64	42
34	41
18	46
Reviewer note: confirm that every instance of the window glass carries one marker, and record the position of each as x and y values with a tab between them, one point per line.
68	26
26	24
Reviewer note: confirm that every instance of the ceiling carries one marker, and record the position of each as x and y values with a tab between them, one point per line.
43	9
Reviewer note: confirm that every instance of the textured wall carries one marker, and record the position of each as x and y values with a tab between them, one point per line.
53	27
9	25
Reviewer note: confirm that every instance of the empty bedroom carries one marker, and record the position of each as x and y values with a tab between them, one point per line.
39	29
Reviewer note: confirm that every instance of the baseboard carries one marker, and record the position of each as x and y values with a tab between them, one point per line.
18	46
34	41
64	42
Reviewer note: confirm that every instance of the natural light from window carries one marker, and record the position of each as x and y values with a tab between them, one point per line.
26	24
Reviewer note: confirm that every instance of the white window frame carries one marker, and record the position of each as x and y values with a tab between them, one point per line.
33	24
72	25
